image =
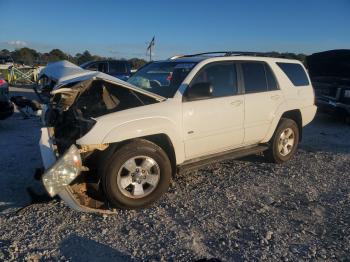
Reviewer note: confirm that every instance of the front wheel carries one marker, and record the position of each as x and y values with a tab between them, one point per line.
284	143
137	174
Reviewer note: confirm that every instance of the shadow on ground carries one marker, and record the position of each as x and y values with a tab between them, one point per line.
326	133
20	157
76	248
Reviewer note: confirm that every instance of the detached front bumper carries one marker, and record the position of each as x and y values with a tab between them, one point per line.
50	159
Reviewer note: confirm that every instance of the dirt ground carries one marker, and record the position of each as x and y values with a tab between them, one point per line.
237	210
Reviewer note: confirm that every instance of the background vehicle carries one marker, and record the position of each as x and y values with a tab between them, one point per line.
117	68
121	143
330	75
6	107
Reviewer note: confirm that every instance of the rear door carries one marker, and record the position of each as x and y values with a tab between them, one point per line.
262	98
214	124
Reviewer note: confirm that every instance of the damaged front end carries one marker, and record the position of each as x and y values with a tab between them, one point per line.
72	170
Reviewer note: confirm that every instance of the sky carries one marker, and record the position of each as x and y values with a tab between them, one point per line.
122	29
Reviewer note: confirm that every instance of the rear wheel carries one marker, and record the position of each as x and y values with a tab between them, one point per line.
284	143
137	174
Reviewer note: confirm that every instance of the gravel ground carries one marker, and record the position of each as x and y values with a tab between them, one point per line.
234	211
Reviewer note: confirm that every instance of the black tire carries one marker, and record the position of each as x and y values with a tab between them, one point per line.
273	154
139	147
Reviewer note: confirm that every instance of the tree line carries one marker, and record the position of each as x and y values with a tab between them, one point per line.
32	57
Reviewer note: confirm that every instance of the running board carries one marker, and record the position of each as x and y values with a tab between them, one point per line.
199	162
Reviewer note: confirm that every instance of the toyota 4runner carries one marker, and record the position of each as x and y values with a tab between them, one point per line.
109	143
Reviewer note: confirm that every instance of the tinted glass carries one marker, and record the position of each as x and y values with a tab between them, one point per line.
222	77
98	66
271	80
102	67
116	68
93	66
162	78
295	73
254	77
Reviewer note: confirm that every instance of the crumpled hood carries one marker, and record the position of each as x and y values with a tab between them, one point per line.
62	71
65	72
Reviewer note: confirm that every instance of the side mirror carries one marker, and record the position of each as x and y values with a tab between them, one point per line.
199	91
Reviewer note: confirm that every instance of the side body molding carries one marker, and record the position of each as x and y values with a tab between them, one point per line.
161	118
146	127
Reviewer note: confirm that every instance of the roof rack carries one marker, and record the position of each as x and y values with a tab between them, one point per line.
224	53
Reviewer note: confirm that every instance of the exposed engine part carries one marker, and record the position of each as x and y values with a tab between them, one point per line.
73	109
89	148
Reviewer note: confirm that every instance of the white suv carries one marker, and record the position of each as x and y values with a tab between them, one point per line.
110	143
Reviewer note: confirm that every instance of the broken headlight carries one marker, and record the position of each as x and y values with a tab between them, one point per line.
63	172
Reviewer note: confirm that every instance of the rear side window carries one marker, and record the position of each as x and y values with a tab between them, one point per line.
295	73
117	68
222	77
254	77
270	78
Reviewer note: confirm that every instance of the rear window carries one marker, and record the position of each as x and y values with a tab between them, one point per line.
295	73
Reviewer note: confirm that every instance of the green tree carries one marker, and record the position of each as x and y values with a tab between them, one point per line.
56	55
84	57
25	55
5	52
137	62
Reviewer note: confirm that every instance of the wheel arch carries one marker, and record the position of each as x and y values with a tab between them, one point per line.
296	116
162	140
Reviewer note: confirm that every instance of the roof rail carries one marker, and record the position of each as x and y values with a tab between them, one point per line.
224	53
175	57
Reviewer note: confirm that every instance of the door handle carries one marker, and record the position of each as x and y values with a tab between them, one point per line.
275	97
236	103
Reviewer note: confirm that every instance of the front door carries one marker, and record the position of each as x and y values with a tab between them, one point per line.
214	124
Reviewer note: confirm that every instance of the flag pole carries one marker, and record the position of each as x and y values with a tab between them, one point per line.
151	44
150	52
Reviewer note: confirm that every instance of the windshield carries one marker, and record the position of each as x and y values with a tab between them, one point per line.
161	78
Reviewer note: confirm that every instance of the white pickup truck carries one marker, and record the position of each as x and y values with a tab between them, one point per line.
110	143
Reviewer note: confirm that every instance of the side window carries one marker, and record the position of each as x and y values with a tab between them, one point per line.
222	77
102	67
93	67
295	73
98	66
271	80
117	68
254	77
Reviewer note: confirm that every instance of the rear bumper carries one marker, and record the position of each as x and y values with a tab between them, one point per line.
308	114
332	106
49	157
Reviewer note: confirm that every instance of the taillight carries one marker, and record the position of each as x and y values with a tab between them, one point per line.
170	76
2	81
